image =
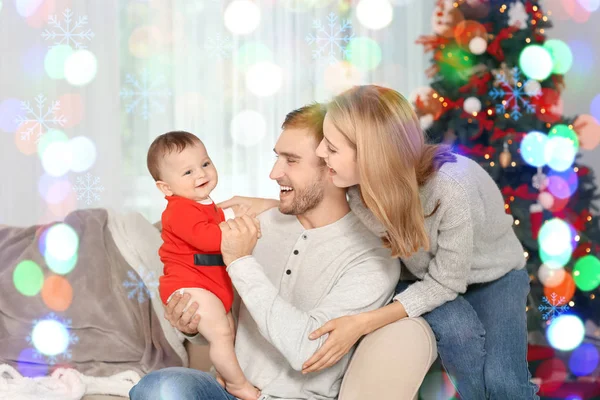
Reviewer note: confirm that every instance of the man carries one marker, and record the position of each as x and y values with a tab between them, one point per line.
314	262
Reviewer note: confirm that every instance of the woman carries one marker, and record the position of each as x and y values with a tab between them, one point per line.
444	217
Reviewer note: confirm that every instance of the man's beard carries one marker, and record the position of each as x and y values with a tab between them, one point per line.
305	199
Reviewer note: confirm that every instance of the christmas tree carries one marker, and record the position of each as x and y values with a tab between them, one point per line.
495	96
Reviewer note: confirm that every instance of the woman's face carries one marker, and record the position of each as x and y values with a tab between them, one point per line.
339	155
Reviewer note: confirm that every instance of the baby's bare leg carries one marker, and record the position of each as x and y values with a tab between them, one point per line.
216	327
231	324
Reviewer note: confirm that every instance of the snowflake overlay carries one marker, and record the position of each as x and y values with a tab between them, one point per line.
136	288
68	34
88	188
331	41
553	307
219	46
65	355
512	95
145	93
40	120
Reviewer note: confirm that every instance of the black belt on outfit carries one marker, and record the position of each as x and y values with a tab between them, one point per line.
209	259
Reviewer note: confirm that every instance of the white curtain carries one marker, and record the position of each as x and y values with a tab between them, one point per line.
175	65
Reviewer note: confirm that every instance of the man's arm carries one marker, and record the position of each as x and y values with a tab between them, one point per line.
366	286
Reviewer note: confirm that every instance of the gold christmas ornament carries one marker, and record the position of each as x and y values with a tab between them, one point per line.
505	156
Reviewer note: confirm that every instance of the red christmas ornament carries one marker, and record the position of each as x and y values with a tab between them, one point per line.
536	218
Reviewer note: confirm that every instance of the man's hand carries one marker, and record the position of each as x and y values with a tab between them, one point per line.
254	205
242	209
186	322
239	236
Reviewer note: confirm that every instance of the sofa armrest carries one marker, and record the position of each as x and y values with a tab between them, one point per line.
391	362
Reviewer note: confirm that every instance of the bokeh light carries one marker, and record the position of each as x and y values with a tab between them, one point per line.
57	293
54	190
55	61
555	236
50	337
59	266
536	62
584	359
81	68
57	158
27	8
594	108
455	63
28	278
26	137
33	60
264	79
467	30
251	53
61	245
40	16
30	364
248	128
145	41
553	374
549	276
533	148
10	109
559	153
556	260
83	151
364	53
52	136
437	385
562	58
242	17
72	108
562	184
374	14
583	58
586	273
589	5
565	332
341	76
576	11
562	130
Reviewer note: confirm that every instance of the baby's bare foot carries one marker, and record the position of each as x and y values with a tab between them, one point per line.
243	392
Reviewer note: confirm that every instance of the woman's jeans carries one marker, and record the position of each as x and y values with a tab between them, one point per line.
179	383
482	339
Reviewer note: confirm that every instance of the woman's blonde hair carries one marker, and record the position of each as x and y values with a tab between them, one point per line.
393	160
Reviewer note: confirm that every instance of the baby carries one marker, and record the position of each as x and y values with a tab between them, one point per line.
183	171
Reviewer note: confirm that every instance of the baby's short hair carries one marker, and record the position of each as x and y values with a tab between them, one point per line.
165	144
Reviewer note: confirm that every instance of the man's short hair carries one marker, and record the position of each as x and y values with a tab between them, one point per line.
309	117
165	144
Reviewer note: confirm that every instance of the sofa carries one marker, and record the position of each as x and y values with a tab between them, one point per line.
389	363
117	317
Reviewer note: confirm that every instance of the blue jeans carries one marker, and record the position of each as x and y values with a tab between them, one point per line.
482	339
179	383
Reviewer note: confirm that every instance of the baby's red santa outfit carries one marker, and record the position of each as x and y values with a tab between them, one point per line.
190	232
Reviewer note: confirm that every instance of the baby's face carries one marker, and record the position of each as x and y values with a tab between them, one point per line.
189	174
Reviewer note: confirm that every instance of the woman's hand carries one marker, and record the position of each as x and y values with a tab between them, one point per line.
186	322
344	332
251	205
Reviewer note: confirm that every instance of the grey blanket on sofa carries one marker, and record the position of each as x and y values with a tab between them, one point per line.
112	324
